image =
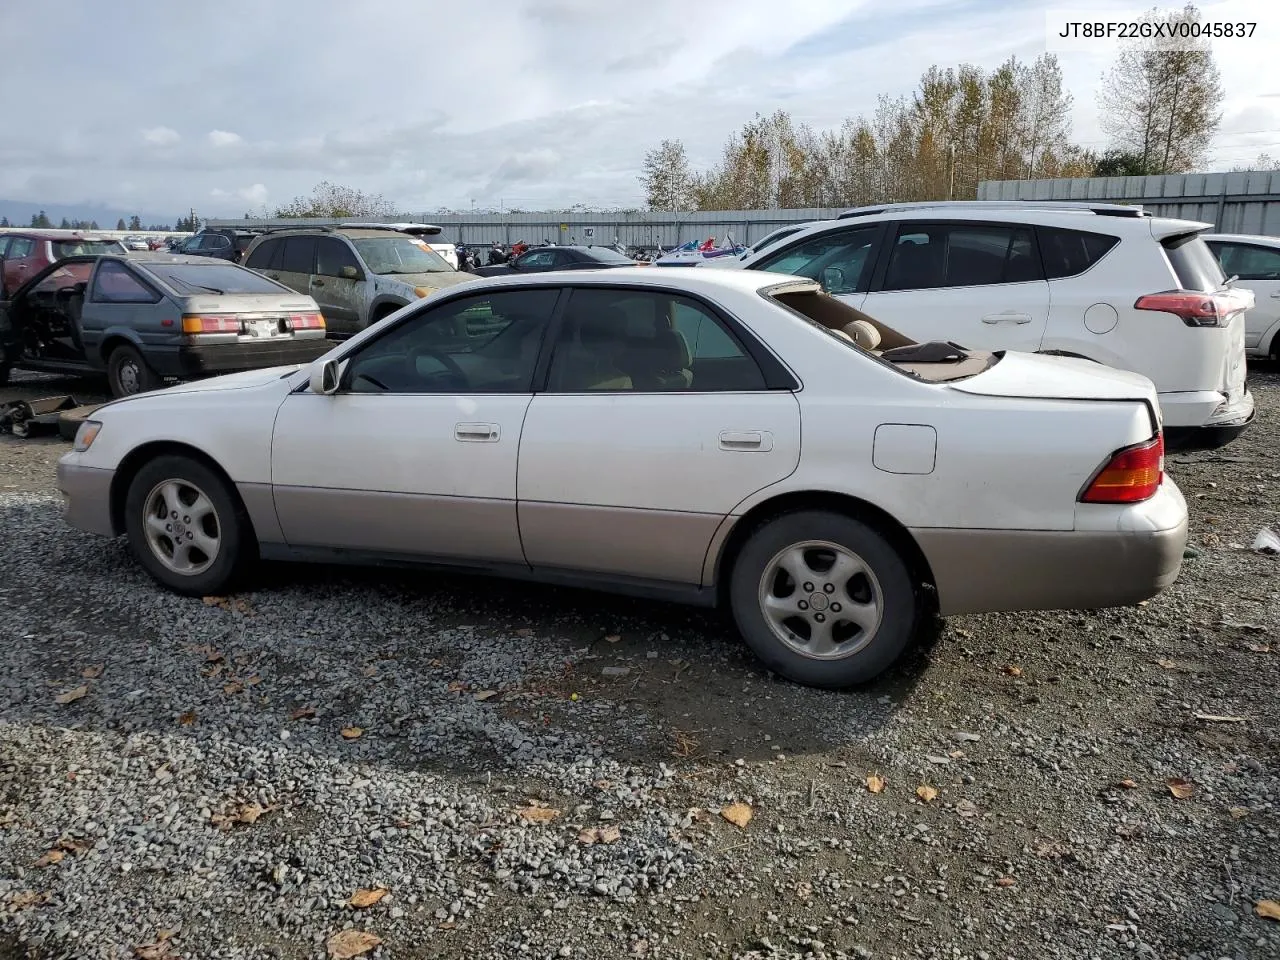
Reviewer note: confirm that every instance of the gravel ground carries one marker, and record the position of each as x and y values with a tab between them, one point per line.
549	773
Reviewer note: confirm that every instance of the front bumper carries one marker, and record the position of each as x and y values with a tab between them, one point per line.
1133	554
86	494
201	360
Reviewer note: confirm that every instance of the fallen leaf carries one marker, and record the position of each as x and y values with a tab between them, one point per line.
1166	664
1127	784
153	951
613	638
50	858
302	713
955	754
93	672
606	834
448	925
1005	882
1238	813
484	695
456	686
246	813
1050	849
214	656
71	696
1013	671
1259	647
588	836
367	898
1181	789
26	899
739	814
524	632
927	793
370	671
232	688
966	808
187	718
875	783
1269	909
250	812
610	834
72	845
214	601
534	814
346	944
1218	718
253	681
352	733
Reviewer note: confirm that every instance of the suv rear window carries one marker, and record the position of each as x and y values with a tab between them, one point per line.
1069	253
1193	262
78	248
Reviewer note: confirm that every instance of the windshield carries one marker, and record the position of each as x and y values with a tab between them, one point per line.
79	248
770	240
386	255
187	278
605	255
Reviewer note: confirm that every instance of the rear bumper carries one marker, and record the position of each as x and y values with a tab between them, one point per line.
234	357
86	495
1136	554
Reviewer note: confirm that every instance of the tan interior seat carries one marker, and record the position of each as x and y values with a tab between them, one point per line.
863	334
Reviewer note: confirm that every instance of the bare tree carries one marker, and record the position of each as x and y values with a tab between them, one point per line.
666	177
1161	103
333	201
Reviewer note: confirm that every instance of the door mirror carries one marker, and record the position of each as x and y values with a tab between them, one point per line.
324	377
350	273
833	279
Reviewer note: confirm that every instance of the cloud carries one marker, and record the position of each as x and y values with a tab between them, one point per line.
161	136
255	194
224	138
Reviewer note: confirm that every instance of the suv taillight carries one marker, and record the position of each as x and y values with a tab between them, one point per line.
1131	475
1196	309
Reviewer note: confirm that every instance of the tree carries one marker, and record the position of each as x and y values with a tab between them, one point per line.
333	201
1162	103
4	221
1121	163
135	222
41	220
120	224
94	225
1264	162
65	224
666	177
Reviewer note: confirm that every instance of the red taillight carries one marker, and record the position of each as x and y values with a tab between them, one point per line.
1196	309
204	324
306	321
1131	475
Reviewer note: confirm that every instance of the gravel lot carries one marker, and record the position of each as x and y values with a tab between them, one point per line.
548	773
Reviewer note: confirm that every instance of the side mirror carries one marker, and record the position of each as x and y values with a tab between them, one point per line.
833	279
350	273
324	378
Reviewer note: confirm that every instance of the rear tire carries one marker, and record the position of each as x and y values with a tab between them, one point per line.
823	599
128	373
187	527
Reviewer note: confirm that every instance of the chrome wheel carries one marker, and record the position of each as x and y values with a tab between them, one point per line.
182	527
821	600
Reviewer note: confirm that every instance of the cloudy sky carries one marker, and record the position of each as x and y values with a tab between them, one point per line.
227	107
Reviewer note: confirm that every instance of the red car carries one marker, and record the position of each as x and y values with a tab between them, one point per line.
24	253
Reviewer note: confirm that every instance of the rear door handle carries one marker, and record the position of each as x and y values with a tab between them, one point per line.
476	432
746	440
1009	317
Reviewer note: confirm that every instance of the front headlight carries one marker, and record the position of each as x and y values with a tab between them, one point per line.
85	436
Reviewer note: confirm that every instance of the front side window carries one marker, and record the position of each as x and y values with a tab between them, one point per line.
482	344
840	260
537	259
299	254
931	255
20	249
335	259
115	283
399	255
1246	261
614	340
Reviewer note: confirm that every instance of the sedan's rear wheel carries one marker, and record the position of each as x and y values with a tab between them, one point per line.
128	373
823	599
186	527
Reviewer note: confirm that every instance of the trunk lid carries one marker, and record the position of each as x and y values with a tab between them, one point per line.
1058	378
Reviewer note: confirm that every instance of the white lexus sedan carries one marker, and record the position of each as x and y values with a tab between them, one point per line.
730	438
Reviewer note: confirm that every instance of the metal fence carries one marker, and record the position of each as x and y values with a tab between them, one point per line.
1233	202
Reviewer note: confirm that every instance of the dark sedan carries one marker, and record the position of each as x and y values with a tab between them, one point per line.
542	259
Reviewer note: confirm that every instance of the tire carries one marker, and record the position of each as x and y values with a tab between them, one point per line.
128	373
182	483
879	588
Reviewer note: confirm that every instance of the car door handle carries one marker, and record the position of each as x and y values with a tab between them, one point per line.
1008	317
317	283
476	432
1276	295
746	440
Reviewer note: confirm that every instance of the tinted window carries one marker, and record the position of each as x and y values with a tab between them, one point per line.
1068	253
482	344
770	239
192	278
1247	262
840	260
214	241
627	340
19	248
299	254
4	244
332	255
1193	262
538	258
266	256
605	255
927	256
116	283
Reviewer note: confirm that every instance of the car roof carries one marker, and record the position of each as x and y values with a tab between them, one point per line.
40	234
693	280
1243	238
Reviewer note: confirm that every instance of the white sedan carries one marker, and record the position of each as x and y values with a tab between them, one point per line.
731	438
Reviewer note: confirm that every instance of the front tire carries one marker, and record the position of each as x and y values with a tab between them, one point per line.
823	599
128	373
187	527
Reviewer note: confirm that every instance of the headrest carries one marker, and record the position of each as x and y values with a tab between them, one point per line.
863	334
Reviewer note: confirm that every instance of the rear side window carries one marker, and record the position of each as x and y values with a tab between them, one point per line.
1193	262
115	283
266	256
931	255
1069	253
299	254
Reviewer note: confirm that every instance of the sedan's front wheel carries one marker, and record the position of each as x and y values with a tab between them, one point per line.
186	527
823	599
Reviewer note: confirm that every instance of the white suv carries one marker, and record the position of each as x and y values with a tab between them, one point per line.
1109	283
1255	263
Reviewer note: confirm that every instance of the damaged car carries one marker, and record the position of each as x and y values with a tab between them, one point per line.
144	321
640	431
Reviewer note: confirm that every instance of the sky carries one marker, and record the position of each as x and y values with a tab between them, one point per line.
235	106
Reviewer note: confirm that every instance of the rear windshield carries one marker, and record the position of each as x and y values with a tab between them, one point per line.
81	248
191	278
1193	262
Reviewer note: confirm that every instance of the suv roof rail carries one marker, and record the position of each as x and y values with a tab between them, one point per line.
326	229
416	229
1099	209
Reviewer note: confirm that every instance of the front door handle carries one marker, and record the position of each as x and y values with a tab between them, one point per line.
746	440
1007	317
476	432
1276	295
